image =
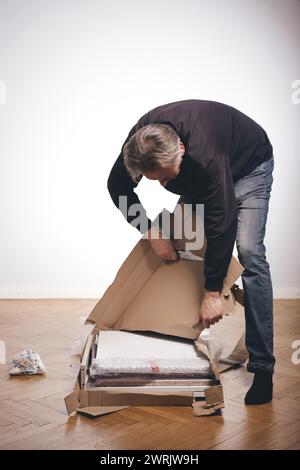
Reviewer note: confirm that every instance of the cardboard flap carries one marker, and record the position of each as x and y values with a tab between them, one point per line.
214	401
235	269
130	279
71	402
95	411
214	395
151	295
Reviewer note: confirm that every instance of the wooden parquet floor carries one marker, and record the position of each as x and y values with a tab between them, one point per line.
33	415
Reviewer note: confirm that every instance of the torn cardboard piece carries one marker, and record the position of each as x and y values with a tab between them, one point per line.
213	403
96	411
151	295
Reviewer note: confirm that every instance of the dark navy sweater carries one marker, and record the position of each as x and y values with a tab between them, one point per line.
222	145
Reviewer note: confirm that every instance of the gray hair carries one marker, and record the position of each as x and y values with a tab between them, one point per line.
151	147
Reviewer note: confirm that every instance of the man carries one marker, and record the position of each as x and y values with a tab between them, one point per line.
211	153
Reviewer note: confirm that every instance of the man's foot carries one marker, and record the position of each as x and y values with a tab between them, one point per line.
261	390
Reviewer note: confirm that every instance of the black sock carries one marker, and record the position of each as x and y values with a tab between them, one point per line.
261	390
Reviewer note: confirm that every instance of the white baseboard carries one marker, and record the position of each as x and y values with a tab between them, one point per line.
286	292
51	293
96	293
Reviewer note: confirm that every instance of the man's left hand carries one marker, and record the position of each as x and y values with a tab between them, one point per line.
211	308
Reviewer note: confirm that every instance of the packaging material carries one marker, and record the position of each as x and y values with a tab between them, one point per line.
84	330
27	362
213	402
122	352
150	295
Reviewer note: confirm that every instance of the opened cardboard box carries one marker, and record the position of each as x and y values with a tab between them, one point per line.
150	295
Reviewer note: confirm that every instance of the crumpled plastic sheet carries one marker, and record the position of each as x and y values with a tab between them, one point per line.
27	362
214	343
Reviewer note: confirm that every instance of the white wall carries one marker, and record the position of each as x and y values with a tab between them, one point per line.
77	74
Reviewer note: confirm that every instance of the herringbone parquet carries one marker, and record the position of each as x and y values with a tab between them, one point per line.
33	415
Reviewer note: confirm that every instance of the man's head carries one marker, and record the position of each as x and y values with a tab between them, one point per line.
154	151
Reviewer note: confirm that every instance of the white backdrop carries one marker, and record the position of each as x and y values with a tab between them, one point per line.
75	75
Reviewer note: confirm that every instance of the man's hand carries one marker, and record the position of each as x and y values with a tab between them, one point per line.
211	308
164	248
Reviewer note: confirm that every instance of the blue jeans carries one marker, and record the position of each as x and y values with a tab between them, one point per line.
252	195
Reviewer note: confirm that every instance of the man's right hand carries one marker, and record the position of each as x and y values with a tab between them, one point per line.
164	248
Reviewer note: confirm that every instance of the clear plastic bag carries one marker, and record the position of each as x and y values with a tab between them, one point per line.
27	362
83	330
214	343
78	344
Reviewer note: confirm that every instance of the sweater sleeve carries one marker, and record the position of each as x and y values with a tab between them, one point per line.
220	221
121	189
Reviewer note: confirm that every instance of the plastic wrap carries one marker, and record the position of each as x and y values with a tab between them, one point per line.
132	353
120	365
27	362
214	343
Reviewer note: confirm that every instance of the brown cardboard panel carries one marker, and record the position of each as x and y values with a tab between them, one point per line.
133	274
71	402
149	294
169	302
214	401
84	399
135	255
96	411
158	296
77	386
214	395
148	399
235	269
100	398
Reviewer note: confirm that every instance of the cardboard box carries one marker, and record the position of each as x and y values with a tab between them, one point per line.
151	295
